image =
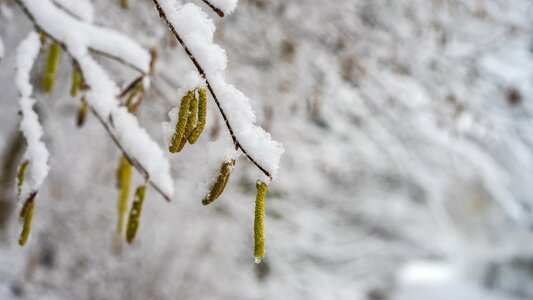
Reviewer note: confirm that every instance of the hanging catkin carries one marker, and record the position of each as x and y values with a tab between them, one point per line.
76	82
124	182
182	122
135	214
26	215
219	185
202	112
50	70
21	175
259	221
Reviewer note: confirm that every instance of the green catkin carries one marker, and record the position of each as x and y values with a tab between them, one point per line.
202	112
26	215
124	3
135	214
191	122
76	82
49	76
220	184
124	182
193	116
259	221
182	123
21	175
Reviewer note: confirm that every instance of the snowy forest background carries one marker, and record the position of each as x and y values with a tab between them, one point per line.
408	136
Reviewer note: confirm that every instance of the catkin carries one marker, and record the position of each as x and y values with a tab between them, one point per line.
182	122
124	3
26	215
82	112
135	214
202	112
124	183
220	184
193	116
76	82
49	76
259	221
21	175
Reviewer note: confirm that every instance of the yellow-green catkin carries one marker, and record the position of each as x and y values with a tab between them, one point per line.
219	185
76	82
183	116
124	3
134	219
191	121
82	112
21	175
259	221
49	76
202	112
124	182
26	215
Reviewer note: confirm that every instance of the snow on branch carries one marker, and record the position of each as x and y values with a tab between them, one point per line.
82	9
194	30
222	7
78	37
36	156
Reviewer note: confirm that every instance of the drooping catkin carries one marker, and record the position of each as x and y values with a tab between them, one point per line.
82	112
76	82
124	182
220	183
135	214
21	175
26	215
193	116
259	221
124	3
202	112
50	71
183	116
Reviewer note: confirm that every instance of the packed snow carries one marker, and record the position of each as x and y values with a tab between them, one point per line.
227	6
36	152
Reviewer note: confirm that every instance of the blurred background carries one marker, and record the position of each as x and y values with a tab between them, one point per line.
407	173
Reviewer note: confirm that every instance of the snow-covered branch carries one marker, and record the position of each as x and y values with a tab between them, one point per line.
78	38
194	31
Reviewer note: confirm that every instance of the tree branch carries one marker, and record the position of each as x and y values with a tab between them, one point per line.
138	166
236	142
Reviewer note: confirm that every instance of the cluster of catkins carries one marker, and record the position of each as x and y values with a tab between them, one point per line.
189	126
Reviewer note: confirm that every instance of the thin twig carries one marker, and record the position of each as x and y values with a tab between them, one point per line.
138	166
219	11
236	142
